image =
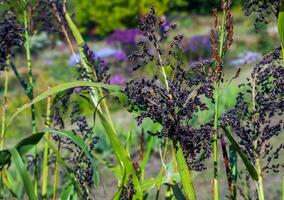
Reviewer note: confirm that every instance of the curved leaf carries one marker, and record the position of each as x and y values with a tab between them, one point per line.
67	193
59	88
23	172
251	169
185	175
118	192
5	158
27	143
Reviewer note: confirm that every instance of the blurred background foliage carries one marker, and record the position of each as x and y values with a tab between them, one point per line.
104	16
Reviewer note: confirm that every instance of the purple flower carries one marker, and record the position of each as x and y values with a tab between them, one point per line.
117	79
120	55
123	36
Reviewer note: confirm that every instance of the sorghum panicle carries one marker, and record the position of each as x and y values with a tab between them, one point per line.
11	36
263	9
257	107
175	106
97	64
218	34
150	46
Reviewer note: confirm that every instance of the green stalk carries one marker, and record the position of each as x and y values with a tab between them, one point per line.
160	179
4	105
216	111
46	152
185	175
30	81
29	66
283	188
281	26
104	114
215	140
259	184
56	173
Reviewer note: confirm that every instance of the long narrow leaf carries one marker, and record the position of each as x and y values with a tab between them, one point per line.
59	88
122	156
281	24
27	143
24	173
185	175
251	169
22	147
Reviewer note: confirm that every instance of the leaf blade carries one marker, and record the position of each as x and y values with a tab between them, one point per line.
59	88
251	169
23	172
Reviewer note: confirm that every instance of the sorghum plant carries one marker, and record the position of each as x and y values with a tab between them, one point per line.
172	98
171	101
257	107
221	38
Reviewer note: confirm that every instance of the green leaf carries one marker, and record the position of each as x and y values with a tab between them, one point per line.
233	156
121	96
121	155
27	182
67	193
151	182
27	143
23	147
251	169
120	188
185	175
5	158
176	190
281	28
59	88
148	152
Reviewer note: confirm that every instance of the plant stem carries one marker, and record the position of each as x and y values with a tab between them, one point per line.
30	81
215	140
283	188
29	66
259	184
185	175
216	111
46	151
4	105
56	173
160	179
